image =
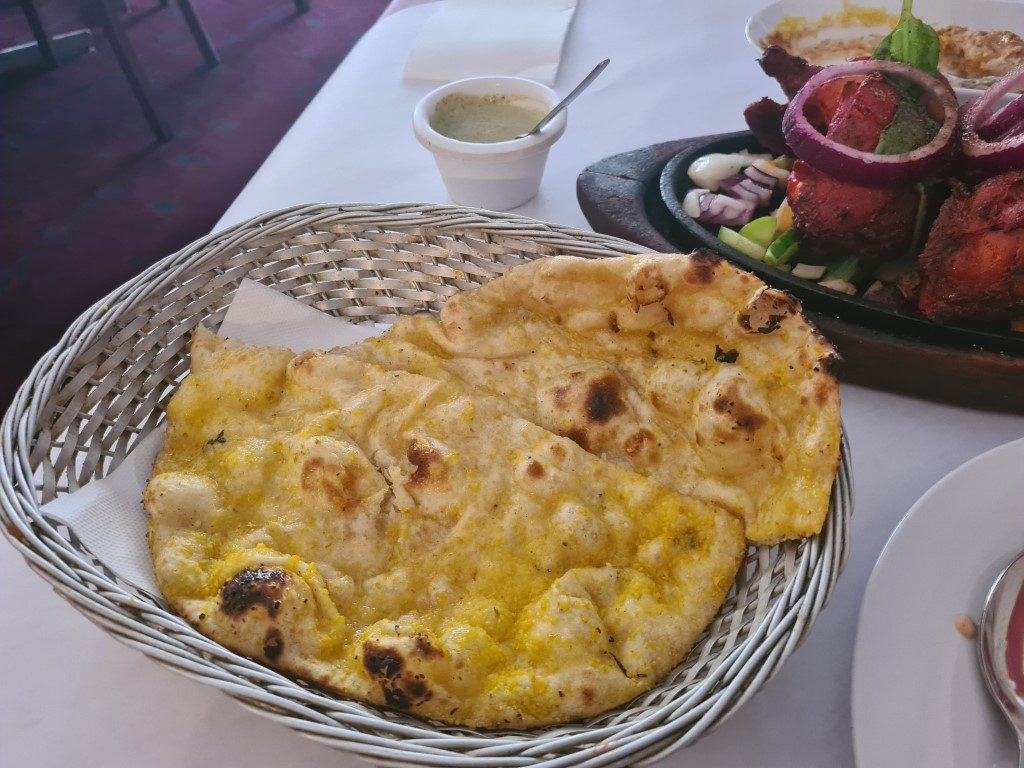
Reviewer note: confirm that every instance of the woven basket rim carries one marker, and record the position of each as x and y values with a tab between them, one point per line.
96	592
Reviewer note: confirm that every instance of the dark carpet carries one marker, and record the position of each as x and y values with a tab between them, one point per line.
88	198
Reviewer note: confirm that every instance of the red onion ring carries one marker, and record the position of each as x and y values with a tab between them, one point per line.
994	143
1002	123
867	168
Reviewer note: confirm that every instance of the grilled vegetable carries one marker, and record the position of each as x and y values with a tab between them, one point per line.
782	249
842	286
842	270
809	271
761	230
740	243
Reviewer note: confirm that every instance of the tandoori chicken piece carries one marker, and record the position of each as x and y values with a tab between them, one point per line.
836	219
789	71
973	264
764	117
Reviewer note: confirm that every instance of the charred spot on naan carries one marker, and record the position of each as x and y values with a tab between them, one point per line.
381	662
604	399
735	426
337	485
252	587
701	266
396	665
726	356
330	480
744	417
766	311
532	469
590	406
429	467
259	608
557	451
647	285
273	644
640	443
424	649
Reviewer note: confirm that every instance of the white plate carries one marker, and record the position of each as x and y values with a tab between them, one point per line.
973	14
918	696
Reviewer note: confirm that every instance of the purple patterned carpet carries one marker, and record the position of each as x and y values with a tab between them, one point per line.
88	198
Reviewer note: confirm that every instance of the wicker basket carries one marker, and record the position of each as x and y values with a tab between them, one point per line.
105	385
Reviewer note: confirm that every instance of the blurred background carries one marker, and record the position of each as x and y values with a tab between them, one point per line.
129	137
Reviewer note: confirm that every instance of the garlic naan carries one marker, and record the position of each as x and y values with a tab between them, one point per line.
399	540
680	367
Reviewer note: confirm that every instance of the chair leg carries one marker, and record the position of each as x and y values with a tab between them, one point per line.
111	20
199	33
35	23
301	6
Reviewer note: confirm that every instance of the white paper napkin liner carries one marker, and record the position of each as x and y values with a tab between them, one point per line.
107	514
477	38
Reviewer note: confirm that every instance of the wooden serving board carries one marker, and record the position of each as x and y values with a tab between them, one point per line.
620	196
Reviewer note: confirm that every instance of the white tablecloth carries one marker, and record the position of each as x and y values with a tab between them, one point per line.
71	695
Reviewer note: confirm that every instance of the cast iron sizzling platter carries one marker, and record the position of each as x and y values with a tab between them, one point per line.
674	184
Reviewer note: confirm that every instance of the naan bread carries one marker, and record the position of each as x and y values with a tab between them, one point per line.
398	540
680	367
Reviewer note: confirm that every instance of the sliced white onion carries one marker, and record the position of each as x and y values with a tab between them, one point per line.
842	286
709	171
769	168
722	209
809	271
691	202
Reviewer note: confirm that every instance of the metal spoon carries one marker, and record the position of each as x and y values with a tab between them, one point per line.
567	100
1001	646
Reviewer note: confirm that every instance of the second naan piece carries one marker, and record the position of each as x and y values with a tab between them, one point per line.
680	367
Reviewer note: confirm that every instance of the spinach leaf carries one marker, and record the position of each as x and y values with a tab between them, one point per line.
911	42
911	127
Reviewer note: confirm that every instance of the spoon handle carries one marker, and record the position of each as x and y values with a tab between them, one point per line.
572	95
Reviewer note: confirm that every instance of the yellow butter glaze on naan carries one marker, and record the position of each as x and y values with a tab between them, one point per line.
393	538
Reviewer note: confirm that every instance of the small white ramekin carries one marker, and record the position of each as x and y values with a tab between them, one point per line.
498	175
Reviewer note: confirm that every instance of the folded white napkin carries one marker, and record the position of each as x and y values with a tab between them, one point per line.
107	515
476	38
